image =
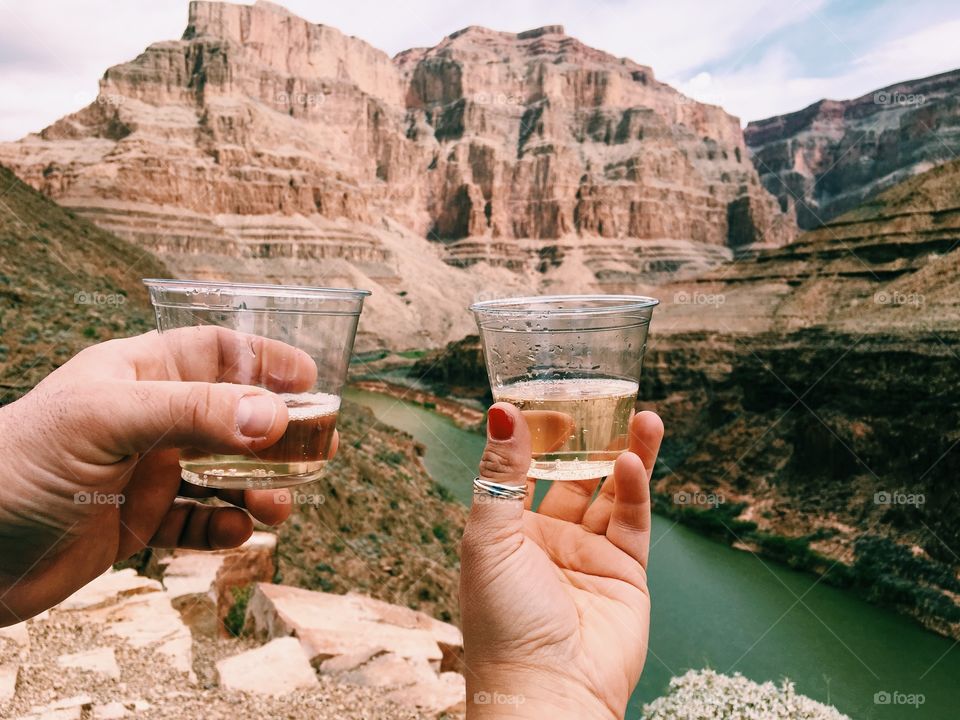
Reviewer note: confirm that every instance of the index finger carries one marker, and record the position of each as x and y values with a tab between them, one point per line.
208	353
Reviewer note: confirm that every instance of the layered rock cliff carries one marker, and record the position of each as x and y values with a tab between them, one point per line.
827	158
261	146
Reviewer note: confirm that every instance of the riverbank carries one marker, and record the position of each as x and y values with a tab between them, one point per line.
733	611
462	415
873	571
825	485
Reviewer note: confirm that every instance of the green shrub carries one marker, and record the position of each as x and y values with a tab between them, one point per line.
238	611
390	457
795	552
325	584
719	521
440	491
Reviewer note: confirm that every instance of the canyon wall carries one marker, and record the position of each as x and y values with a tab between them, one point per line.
263	147
827	158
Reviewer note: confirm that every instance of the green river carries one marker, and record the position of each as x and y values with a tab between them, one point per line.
721	608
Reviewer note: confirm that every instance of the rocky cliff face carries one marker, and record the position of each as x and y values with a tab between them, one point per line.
808	396
260	146
808	389
827	158
539	136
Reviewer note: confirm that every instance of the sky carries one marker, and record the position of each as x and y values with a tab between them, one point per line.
756	58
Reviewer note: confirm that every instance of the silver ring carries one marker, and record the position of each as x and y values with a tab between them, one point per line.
499	490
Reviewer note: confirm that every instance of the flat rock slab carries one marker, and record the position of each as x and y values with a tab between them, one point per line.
101	661
402	616
109	711
9	673
411	683
390	670
351	660
445	695
18	635
70	708
108	588
277	668
201	584
191	573
329	625
149	621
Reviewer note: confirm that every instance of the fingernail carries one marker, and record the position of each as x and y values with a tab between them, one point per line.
500	424
256	414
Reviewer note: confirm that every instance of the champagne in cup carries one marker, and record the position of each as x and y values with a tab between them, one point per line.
294	341
571	364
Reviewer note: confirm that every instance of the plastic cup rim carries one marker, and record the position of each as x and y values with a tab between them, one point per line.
258	289
262	290
523	306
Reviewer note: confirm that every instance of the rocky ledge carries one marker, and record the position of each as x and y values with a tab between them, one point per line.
209	640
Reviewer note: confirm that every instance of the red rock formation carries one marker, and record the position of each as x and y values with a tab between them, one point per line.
263	146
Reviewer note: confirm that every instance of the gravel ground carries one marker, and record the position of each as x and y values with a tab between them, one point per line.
145	676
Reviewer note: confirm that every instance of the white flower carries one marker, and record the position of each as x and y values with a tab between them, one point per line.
708	695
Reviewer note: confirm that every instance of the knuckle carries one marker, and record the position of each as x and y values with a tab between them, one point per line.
198	403
93	356
499	461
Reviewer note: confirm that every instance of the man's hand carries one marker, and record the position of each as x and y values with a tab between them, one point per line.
91	460
555	605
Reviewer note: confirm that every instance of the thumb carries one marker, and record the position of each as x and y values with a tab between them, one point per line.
137	416
505	460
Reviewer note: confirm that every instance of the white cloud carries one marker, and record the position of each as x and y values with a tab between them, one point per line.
53	54
51	51
775	84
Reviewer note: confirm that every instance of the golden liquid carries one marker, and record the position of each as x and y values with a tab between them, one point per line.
297	457
578	426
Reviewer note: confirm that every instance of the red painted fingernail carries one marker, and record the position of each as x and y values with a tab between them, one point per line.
500	424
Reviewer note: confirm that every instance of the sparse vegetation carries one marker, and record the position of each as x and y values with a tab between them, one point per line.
54	269
375	534
238	611
411	354
390	457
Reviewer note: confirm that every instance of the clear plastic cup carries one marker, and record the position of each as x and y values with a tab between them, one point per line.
572	364
320	323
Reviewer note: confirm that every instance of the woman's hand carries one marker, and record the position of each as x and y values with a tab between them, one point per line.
555	605
90	454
